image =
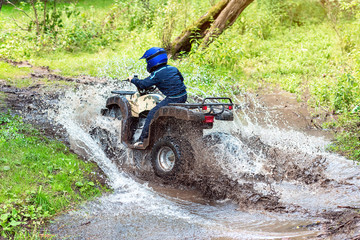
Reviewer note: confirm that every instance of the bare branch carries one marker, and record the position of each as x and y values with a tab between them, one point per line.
19	9
36	17
45	1
16	23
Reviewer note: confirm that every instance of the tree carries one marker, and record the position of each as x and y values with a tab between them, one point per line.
209	26
44	17
1	4
334	9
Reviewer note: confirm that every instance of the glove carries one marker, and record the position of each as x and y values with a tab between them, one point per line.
132	77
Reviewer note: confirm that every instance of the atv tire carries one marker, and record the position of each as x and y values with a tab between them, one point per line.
170	155
106	140
114	112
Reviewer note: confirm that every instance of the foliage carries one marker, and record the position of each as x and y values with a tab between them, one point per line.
83	27
39	177
9	73
20	77
340	95
347	141
275	13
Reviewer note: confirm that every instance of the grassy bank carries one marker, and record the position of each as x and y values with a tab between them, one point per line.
299	46
39	179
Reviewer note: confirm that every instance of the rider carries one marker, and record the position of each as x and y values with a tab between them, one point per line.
166	78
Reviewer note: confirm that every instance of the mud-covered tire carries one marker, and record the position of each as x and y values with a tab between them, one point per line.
115	112
107	141
170	156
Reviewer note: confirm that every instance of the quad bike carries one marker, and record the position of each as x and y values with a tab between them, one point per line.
171	128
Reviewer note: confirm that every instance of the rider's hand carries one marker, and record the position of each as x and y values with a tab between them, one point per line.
130	78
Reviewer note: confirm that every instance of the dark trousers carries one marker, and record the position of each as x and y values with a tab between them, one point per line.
150	116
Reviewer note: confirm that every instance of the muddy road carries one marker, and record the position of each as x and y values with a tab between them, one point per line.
267	175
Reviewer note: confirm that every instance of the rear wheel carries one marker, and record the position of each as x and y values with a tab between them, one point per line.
169	156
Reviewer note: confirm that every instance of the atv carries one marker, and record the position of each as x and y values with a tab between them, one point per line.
171	128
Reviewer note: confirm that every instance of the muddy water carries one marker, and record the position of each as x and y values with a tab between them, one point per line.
252	181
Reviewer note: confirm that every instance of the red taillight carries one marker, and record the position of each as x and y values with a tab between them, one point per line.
204	107
230	107
209	119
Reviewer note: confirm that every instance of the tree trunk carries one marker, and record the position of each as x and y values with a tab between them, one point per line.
209	26
196	31
45	11
226	18
37	23
1	3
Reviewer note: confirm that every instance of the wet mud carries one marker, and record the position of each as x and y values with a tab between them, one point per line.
342	225
44	72
31	103
206	176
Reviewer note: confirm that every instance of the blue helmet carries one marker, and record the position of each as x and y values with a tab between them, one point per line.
155	56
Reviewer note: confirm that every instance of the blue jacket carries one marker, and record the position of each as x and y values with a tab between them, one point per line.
167	79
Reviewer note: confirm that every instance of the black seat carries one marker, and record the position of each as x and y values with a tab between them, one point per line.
124	92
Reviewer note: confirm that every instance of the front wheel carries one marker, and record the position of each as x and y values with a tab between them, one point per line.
115	112
104	138
169	156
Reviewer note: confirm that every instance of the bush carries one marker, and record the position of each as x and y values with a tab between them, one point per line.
347	141
341	95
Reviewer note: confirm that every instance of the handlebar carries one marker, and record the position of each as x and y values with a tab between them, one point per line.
141	91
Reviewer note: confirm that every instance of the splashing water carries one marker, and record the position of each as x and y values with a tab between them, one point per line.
289	164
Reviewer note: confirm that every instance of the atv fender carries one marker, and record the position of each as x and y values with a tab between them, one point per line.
179	113
126	116
175	115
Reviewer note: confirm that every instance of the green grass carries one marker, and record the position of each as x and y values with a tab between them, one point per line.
17	76
39	178
79	63
347	141
20	77
12	74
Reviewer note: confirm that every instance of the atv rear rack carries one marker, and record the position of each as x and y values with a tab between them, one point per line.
208	108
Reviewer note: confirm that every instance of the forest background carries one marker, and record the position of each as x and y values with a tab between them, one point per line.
310	48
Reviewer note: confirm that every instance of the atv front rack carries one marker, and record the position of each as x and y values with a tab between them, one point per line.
209	108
